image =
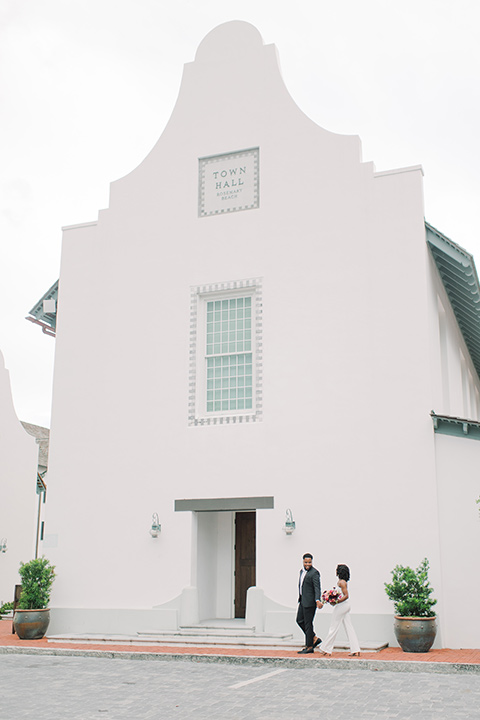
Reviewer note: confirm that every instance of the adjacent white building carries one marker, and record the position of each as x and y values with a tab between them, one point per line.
258	322
20	505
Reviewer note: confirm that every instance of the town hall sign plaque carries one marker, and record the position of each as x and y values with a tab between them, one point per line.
228	183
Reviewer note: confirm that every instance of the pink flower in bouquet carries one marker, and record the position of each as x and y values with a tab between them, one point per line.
331	596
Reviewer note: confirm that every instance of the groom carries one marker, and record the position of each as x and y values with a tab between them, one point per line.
309	594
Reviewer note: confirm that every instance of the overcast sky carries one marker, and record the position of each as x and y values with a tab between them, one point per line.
87	86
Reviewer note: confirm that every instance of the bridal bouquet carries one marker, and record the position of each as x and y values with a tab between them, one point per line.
331	596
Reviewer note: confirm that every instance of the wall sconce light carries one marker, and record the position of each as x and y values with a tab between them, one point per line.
289	526
3	545
156	527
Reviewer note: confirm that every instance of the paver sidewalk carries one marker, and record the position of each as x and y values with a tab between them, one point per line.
446	660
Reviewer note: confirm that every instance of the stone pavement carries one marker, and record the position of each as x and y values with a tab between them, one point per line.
392	659
45	687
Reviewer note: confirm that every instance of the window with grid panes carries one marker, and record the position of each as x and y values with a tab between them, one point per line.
229	354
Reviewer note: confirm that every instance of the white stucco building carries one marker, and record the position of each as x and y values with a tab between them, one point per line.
260	321
20	506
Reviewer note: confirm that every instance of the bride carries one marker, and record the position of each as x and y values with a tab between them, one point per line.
341	614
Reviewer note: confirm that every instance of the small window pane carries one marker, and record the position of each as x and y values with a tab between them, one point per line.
209	306
248	302
224	404
231	347
209	384
240	302
216	348
240	392
218	316
217	405
248	392
218	383
209	349
218	304
241	404
240	382
225	360
248	381
209	406
248	404
224	347
233	404
218	361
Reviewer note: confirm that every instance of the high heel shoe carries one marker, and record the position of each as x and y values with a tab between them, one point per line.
357	654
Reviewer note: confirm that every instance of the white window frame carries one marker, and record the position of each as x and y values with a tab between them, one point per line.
200	295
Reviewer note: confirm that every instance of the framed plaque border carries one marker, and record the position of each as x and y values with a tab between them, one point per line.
204	162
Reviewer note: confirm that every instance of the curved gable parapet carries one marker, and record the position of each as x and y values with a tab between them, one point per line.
232	96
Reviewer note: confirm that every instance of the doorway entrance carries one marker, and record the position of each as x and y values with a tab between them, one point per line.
245	558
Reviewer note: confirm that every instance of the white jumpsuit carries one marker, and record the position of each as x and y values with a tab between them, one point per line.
341	614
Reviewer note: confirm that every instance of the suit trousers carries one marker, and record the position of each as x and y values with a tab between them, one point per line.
305	617
341	615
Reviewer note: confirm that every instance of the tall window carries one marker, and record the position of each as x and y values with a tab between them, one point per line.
226	353
229	354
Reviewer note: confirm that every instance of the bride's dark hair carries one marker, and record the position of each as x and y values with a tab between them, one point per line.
343	573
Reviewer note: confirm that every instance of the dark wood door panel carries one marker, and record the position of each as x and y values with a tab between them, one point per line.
245	558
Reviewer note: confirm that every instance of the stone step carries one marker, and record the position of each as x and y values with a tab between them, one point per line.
169	638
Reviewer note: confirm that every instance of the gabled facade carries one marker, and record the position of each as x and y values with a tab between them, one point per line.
265	329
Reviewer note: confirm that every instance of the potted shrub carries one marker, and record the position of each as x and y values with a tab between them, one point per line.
415	622
32	616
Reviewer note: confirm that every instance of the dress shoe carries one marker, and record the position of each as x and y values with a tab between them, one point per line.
305	651
317	642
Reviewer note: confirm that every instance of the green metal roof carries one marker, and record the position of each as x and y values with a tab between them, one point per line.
459	276
39	314
456	426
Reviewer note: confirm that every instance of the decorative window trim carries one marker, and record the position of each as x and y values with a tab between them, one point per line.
198	295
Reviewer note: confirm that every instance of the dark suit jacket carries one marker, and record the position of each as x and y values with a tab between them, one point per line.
311	590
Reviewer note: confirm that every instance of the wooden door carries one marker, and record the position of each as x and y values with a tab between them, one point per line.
245	558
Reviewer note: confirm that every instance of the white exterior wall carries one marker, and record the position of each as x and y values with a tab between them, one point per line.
456	386
345	441
458	462
18	478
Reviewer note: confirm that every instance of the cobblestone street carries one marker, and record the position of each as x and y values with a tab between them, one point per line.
82	688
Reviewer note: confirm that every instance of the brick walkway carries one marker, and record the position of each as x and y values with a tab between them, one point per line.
446	655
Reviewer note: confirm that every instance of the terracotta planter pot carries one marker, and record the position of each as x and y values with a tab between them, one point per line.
415	634
31	624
